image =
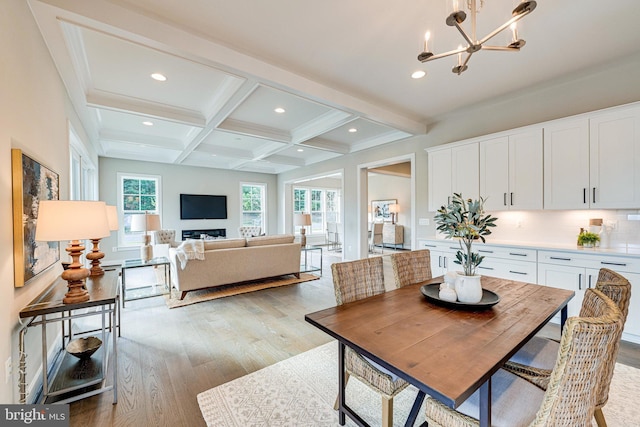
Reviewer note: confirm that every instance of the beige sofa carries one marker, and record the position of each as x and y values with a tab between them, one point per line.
229	261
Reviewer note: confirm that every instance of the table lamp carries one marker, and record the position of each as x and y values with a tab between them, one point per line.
72	220
302	220
394	209
145	222
96	255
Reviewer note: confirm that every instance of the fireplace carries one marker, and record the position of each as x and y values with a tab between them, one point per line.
210	232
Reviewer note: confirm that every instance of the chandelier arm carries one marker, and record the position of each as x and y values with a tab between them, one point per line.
464	34
466	60
501	48
503	27
444	54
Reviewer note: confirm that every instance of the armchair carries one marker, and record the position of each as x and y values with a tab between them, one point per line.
162	240
249	231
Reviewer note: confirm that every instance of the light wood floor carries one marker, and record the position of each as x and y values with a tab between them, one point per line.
166	357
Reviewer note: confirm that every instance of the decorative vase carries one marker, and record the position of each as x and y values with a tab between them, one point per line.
469	289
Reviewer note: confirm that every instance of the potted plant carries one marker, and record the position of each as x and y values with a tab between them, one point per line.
587	239
466	220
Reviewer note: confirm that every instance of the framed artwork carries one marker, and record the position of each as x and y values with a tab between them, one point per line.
380	209
32	182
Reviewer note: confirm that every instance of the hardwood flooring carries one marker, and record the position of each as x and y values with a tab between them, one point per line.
166	357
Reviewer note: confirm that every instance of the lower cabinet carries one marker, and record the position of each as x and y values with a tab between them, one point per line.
442	255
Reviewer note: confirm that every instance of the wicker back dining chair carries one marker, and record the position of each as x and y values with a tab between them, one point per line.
411	267
572	391
352	281
533	361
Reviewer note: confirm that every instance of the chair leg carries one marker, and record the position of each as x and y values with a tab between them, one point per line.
346	380
387	412
599	416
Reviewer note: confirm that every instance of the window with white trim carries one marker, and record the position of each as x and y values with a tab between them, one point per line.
254	205
137	194
322	203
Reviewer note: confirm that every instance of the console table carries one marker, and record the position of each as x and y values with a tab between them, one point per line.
71	378
393	234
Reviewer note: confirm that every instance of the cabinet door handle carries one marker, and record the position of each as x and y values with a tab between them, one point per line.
455	248
440	261
594	195
485	251
486	268
559	259
449	200
619	264
511	199
518	272
589	283
504	199
584	195
428	246
580	281
516	254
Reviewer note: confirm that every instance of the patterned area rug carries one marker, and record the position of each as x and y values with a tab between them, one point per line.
301	390
194	297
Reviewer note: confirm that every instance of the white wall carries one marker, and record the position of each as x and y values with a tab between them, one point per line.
178	179
34	116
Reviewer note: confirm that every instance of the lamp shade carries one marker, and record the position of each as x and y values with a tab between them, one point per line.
71	220
302	219
394	208
145	222
112	217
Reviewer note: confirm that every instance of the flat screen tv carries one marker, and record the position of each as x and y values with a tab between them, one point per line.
203	206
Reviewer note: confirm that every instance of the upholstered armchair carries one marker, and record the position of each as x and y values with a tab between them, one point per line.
249	231
161	241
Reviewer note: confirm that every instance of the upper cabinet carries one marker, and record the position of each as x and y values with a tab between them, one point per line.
566	164
581	162
453	170
594	161
615	159
511	171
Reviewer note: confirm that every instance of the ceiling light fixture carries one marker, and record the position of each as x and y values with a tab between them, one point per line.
418	74
159	77
458	16
279	110
300	150
147	123
353	130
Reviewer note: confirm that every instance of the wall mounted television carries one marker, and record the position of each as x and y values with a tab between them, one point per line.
203	206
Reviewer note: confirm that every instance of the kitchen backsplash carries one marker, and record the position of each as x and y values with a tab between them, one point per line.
562	227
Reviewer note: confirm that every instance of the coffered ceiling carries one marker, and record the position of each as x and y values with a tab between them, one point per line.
339	70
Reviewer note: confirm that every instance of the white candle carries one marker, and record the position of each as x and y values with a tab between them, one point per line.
514	31
427	36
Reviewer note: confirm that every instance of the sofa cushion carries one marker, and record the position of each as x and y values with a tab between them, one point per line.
224	244
278	239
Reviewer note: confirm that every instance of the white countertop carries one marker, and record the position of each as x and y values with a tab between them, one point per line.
632	252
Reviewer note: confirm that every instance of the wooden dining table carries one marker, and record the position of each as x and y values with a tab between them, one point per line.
447	353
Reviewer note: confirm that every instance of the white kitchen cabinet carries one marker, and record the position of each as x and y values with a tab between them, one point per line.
566	165
511	171
511	263
615	159
452	170
442	254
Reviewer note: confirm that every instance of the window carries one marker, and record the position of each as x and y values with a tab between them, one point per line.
83	173
253	206
137	194
323	204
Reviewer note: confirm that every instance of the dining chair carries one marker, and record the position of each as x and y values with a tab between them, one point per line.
375	238
353	281
411	267
534	361
571	395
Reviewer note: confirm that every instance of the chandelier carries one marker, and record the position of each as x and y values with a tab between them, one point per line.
474	44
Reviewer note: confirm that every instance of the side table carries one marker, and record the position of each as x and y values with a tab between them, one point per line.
150	289
307	266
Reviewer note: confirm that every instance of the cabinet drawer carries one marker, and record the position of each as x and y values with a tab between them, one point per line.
521	271
513	254
596	261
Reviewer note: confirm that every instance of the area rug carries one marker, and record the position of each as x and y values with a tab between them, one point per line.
301	391
209	294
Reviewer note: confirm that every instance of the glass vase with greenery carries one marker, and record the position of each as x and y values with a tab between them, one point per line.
466	220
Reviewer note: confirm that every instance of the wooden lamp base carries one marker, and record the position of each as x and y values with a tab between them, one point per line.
75	275
95	256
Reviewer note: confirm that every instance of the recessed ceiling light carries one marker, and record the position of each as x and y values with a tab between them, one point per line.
147	123
159	77
300	150
213	155
279	110
418	74
353	130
